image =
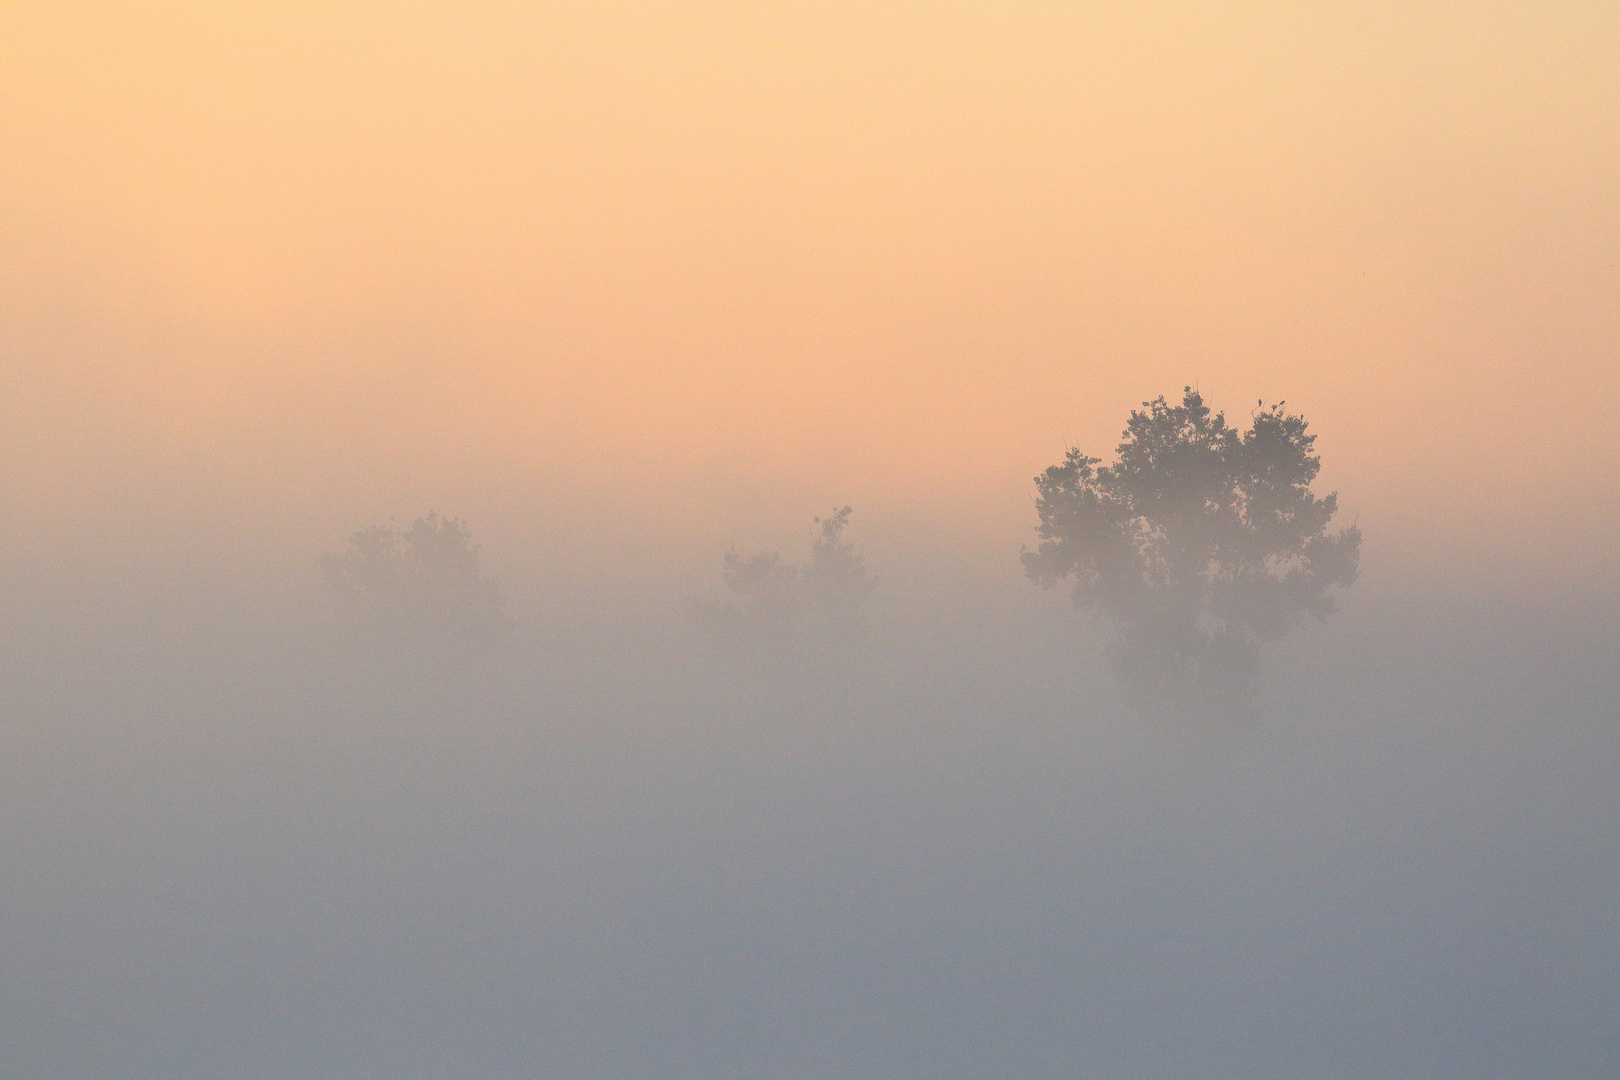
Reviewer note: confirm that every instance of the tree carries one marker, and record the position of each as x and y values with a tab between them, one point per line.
1199	545
836	584
777	608
422	584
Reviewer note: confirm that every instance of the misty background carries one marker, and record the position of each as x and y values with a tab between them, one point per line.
627	287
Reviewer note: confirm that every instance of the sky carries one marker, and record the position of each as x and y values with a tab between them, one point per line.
731	263
627	285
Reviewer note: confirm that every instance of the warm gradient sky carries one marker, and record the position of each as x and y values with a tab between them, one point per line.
623	284
711	268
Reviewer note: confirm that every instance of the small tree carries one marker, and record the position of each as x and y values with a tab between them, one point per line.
422	584
836	584
777	608
1199	545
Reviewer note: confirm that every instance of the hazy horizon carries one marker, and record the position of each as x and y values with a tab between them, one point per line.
625	287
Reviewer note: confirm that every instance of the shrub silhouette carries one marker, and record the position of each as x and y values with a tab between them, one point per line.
1199	545
422	584
776	609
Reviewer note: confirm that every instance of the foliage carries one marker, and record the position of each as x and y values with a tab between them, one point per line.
1200	544
776	608
420	584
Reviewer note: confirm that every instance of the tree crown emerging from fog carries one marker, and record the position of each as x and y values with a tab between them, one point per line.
423	583
1199	544
775	606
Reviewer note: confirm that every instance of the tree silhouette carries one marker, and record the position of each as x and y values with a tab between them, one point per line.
837	583
422	584
775	608
1199	545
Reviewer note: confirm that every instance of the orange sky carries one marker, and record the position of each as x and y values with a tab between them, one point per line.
711	267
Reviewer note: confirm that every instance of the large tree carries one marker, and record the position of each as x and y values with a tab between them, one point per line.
1199	544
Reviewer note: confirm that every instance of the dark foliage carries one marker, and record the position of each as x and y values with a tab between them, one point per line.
1200	544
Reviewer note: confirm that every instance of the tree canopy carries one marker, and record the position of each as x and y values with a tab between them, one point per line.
423	583
1199	544
775	607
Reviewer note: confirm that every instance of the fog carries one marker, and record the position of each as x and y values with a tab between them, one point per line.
434	643
239	844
